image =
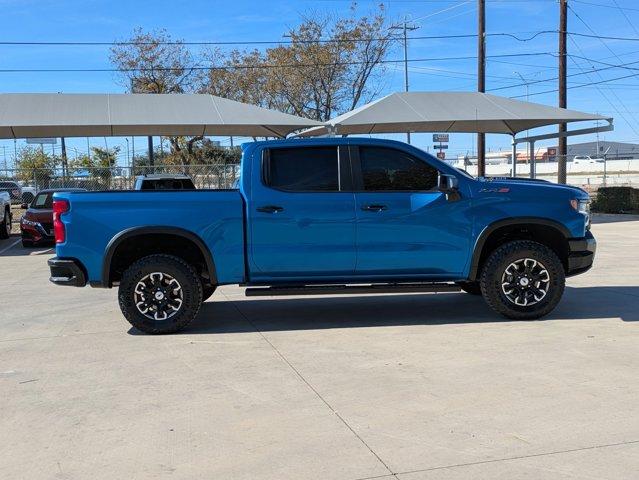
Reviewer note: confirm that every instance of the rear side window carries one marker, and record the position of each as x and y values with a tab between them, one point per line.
390	169
302	169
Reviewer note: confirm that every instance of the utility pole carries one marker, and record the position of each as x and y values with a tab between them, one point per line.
405	27
481	80
562	150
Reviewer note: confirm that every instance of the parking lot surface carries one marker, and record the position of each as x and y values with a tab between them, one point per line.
415	387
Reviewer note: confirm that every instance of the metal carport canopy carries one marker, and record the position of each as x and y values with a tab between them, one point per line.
470	112
32	115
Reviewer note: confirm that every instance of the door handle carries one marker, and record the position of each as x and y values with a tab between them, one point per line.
270	209
374	208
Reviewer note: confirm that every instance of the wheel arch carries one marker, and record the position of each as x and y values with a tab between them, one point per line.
488	240
132	233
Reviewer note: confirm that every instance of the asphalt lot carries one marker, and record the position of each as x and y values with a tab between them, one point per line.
424	386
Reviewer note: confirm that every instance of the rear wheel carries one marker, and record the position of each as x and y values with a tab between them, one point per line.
5	225
160	294
523	280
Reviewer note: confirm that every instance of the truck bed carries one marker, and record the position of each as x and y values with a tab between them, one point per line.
216	216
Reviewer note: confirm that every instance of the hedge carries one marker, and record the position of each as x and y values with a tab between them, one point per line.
616	200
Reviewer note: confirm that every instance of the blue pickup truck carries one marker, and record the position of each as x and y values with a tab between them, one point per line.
327	216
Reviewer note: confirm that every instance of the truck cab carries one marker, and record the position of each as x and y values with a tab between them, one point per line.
333	215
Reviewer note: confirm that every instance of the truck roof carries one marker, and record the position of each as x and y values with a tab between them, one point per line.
296	141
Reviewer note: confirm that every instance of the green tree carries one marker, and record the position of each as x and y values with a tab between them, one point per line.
35	166
100	164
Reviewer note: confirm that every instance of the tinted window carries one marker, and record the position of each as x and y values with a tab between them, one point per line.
390	169
303	169
168	184
43	201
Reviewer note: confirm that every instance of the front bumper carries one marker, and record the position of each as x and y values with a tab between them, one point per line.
67	271
36	234
581	254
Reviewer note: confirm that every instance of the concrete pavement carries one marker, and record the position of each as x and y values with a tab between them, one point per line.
424	386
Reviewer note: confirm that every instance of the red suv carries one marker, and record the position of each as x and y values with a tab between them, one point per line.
36	225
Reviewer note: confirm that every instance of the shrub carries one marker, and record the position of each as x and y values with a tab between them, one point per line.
616	200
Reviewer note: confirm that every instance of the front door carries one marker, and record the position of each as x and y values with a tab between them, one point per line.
302	214
406	227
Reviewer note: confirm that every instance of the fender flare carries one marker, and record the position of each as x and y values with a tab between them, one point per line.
136	231
490	228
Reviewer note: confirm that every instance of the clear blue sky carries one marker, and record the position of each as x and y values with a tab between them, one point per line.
245	20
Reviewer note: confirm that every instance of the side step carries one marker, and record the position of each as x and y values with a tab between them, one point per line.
352	289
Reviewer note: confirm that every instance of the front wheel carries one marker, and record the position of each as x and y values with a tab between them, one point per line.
523	280
160	294
5	225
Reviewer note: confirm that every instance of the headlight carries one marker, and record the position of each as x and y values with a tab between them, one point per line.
582	206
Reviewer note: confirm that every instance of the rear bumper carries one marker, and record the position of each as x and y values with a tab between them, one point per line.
581	254
67	271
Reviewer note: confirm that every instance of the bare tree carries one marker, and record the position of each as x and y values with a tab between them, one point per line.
154	62
327	68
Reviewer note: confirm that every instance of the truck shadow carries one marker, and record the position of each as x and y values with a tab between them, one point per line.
280	314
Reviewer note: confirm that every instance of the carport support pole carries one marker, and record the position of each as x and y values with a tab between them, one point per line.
151	159
533	161
514	154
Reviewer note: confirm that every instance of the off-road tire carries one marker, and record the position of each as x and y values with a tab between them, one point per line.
207	291
500	259
5	225
473	288
177	268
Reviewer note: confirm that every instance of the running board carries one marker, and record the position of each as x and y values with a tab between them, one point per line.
352	289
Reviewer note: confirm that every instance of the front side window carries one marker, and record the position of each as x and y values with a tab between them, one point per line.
390	169
303	169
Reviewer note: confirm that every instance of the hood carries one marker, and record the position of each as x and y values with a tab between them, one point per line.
529	185
39	215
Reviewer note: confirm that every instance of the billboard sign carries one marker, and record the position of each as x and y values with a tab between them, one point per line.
441	155
441	147
42	141
440	137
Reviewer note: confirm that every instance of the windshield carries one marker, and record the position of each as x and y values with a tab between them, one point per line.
43	201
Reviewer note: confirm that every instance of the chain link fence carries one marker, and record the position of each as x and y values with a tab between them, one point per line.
117	178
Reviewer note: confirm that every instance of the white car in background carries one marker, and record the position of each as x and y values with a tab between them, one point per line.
586	159
28	194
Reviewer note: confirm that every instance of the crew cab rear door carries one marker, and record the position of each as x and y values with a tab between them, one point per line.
301	213
405	226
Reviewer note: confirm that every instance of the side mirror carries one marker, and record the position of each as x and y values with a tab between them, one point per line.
447	183
24	206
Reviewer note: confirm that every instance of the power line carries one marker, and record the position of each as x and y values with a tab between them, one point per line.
259	66
633	75
605	6
260	42
514	36
623	105
545	80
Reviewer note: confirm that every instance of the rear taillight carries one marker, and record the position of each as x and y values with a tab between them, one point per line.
59	207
